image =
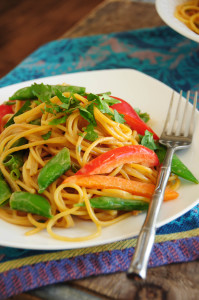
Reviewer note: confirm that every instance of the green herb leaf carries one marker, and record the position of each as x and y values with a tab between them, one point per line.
36	122
103	106
47	135
58	121
88	114
37	102
91	97
144	116
42	91
65	100
91	133
148	141
109	100
118	117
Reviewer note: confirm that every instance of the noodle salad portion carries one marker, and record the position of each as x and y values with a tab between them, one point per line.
66	154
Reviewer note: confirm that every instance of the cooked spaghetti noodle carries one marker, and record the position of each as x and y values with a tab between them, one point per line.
70	200
188	13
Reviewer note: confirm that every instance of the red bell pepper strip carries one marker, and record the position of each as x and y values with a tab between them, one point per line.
110	182
4	110
132	118
107	161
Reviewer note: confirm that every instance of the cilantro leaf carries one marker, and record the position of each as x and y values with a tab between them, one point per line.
103	106
109	100
74	103
144	116
36	122
119	118
65	100
91	97
91	133
58	121
87	114
148	141
42	91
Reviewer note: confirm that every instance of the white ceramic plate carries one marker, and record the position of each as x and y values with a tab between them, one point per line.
165	9
141	91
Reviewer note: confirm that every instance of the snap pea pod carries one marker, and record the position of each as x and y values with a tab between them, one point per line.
177	166
28	92
23	109
30	203
54	168
116	203
5	191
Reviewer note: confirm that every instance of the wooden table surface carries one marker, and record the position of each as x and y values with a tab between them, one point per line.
176	281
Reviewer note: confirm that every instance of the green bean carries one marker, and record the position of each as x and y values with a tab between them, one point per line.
54	168
116	203
30	203
29	92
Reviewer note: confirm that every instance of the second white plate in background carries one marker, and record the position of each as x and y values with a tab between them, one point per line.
166	9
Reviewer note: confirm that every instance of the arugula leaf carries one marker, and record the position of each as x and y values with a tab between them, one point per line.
47	135
148	141
119	118
144	116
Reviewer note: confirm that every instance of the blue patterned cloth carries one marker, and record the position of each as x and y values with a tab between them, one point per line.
159	52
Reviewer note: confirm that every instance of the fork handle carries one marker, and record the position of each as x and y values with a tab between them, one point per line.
138	266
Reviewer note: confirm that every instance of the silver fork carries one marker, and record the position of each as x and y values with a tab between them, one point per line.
176	135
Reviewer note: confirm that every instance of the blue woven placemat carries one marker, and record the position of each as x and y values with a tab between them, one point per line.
159	52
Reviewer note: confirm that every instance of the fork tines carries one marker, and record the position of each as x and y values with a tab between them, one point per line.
181	122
